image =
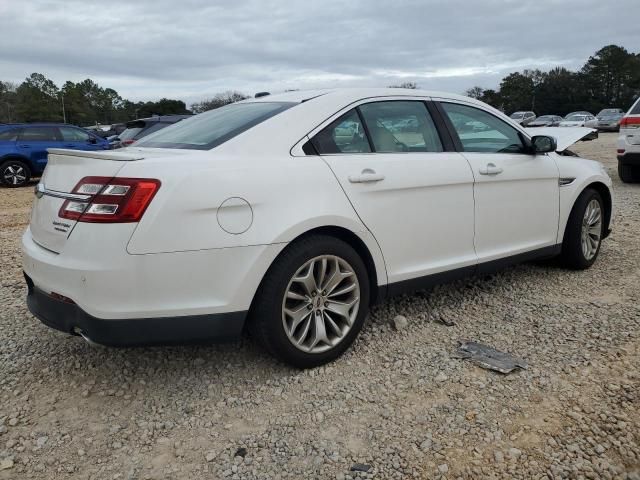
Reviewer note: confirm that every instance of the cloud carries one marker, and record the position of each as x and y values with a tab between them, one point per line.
194	48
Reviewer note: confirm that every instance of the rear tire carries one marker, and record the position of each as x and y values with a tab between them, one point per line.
584	231
14	173
312	302
628	173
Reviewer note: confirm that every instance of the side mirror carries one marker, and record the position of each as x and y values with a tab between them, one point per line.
92	140
544	144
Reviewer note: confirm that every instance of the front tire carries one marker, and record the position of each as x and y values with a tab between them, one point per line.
14	173
312	302
628	173
584	231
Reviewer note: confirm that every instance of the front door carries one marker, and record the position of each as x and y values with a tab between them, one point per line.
415	198
517	197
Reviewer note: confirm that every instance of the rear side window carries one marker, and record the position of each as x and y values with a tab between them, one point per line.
9	135
210	129
39	134
70	134
344	135
129	133
401	126
479	131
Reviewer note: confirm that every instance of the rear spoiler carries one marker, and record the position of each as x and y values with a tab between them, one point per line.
118	156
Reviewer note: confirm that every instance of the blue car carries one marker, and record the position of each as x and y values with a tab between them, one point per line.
23	148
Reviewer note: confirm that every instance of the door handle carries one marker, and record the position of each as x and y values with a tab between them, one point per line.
490	169
70	145
25	146
367	175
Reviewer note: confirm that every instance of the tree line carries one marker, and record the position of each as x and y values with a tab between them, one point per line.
39	99
609	78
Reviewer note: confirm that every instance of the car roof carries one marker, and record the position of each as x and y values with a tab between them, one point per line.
352	94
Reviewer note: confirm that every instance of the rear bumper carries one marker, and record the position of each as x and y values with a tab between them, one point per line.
70	318
630	158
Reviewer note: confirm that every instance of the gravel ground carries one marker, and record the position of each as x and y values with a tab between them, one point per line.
398	403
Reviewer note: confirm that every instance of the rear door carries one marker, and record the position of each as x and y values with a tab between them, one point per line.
517	196
33	143
412	194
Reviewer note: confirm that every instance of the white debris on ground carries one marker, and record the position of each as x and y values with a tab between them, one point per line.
398	405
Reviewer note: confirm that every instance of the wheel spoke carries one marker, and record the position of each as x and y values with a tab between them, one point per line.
297	316
332	324
296	296
346	289
305	331
342	308
319	331
308	280
335	280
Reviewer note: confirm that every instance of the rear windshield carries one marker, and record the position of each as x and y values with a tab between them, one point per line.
210	129
636	108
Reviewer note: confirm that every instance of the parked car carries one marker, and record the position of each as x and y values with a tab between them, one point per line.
291	214
112	131
523	118
581	112
579	121
546	121
609	119
23	148
137	129
629	145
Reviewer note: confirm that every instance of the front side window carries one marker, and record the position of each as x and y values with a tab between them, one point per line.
70	134
210	129
400	126
344	135
479	131
39	134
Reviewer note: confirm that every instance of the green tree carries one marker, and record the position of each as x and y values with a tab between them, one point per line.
217	101
409	85
38	100
475	92
612	77
516	91
8	101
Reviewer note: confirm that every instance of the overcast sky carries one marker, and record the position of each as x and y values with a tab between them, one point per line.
190	49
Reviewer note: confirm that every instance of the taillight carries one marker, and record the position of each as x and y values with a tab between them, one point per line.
113	200
630	122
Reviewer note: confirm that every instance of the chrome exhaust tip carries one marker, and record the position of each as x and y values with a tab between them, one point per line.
78	331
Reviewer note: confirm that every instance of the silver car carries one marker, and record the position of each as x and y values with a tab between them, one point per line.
523	118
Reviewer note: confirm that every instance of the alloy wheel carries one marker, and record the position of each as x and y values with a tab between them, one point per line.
14	174
321	304
591	229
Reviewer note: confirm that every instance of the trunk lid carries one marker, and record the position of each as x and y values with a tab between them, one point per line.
65	168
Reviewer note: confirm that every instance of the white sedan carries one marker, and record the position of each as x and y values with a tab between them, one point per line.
290	215
580	120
